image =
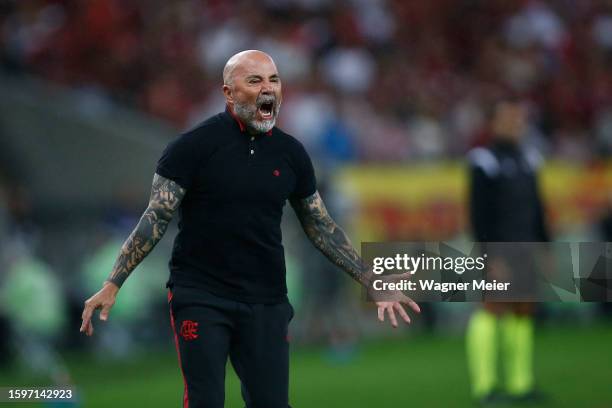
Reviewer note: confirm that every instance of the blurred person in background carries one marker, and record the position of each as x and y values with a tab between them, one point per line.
604	227
555	52
505	206
31	293
230	178
31	296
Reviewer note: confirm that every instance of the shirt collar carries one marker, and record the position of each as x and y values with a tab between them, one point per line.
241	125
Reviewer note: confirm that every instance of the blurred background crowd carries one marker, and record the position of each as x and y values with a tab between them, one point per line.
93	90
409	72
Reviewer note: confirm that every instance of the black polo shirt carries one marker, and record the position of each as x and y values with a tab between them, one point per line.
229	239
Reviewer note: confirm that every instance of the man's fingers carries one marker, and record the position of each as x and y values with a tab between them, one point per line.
392	317
104	313
381	313
86	316
87	327
104	300
87	311
402	312
84	325
413	305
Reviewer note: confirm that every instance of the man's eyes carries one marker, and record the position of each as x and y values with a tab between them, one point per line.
257	80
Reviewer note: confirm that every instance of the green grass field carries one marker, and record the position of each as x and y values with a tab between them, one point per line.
574	366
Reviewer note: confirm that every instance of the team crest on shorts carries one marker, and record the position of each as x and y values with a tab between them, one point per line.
189	330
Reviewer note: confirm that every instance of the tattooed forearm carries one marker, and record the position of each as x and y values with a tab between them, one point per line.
166	196
328	237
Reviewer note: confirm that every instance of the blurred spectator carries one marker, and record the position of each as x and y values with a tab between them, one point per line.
407	79
605	234
32	303
32	300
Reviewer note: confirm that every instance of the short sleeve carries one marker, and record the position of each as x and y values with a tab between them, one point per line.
306	183
179	162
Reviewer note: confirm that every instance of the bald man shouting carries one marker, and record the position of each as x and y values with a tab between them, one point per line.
229	178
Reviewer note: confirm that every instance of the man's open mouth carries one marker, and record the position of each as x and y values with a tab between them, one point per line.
266	110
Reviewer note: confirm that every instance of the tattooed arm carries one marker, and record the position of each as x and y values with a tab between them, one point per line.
333	242
328	237
166	196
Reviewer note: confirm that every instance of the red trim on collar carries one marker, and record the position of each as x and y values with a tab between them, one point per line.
240	124
231	112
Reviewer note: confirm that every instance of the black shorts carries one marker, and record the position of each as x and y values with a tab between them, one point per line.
208	329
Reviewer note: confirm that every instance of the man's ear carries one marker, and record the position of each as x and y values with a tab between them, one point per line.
227	91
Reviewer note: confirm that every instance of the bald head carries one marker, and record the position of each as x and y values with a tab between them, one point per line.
244	60
252	89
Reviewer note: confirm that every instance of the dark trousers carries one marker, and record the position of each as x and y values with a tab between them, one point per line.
208	329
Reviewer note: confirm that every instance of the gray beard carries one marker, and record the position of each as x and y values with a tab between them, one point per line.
247	113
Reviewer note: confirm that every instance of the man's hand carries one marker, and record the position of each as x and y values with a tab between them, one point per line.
104	299
333	242
392	300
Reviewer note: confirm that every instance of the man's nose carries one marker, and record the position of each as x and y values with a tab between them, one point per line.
267	88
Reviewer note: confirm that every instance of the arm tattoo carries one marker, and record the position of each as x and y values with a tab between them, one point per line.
328	237
165	198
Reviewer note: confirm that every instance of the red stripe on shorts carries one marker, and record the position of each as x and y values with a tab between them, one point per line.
178	352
